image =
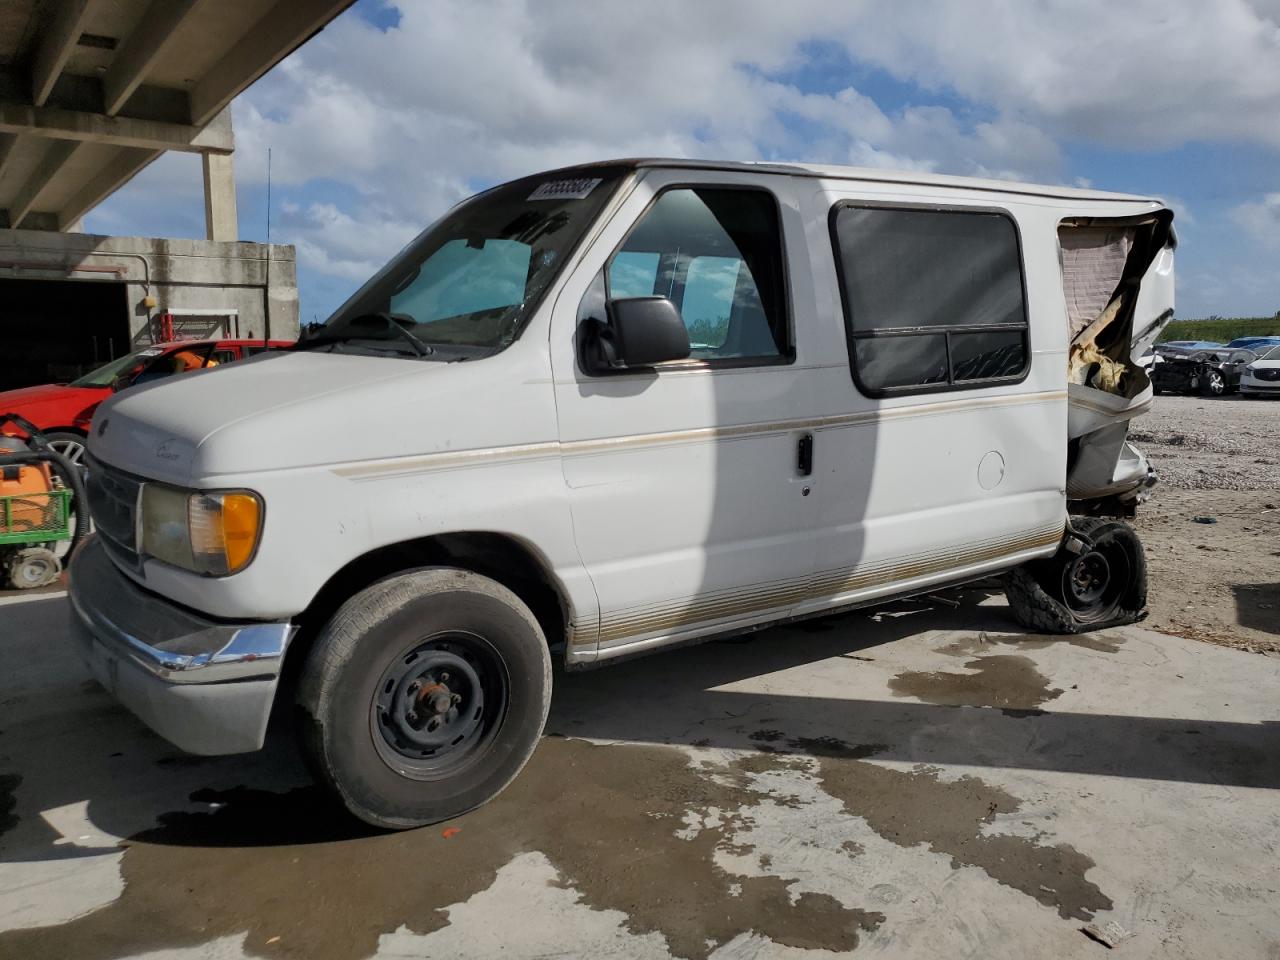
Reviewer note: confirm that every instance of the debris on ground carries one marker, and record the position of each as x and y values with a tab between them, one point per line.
1108	934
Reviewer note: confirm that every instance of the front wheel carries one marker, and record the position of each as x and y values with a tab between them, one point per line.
1104	584
424	696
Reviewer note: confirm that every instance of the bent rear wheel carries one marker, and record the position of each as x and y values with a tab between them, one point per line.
424	697
1102	585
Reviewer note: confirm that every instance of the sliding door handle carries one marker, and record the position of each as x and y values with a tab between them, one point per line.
804	455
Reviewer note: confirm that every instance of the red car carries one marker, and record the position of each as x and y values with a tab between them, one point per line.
63	411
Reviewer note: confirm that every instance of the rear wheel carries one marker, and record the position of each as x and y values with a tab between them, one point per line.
70	445
1102	585
424	696
1214	383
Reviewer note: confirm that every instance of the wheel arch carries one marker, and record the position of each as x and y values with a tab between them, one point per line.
507	559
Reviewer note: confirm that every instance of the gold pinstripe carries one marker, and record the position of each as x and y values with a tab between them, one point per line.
551	448
667	616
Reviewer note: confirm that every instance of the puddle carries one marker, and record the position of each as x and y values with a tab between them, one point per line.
914	807
984	642
9	783
1009	682
291	872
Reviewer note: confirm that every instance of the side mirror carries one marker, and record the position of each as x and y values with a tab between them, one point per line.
120	383
642	331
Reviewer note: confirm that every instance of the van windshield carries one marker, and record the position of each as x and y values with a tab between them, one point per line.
469	283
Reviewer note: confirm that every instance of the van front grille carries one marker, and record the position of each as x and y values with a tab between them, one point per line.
113	504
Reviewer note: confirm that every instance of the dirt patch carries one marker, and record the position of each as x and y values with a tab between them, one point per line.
1214	581
1005	681
914	807
9	783
290	871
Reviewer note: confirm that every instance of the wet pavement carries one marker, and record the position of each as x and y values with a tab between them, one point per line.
916	782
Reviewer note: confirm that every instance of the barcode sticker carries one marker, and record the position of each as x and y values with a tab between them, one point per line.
565	189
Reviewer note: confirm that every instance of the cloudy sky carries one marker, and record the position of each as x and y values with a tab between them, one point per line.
399	109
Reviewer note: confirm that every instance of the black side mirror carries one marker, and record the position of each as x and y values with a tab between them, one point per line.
642	331
120	383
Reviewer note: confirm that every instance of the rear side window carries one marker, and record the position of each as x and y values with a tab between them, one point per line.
933	299
717	254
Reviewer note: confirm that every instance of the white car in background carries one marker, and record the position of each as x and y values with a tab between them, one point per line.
1261	378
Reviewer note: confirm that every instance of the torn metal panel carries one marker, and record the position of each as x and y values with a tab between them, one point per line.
1118	287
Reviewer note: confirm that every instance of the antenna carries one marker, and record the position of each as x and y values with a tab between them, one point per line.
266	279
268	194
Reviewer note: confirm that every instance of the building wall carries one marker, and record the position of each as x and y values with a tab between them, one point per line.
256	283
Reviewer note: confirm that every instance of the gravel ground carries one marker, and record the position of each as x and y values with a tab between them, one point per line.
1218	460
1198	443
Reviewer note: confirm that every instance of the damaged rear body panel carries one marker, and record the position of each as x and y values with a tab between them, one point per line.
1118	282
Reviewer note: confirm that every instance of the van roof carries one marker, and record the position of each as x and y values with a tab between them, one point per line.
913	177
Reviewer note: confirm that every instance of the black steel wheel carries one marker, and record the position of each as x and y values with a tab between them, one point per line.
435	709
1102	584
424	696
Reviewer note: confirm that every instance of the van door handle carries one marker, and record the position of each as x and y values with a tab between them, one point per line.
804	455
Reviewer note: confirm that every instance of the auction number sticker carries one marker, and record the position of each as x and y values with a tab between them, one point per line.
565	189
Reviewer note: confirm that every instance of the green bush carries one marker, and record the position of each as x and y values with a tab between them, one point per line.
1222	329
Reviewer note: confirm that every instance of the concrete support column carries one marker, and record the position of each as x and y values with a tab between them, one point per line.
219	197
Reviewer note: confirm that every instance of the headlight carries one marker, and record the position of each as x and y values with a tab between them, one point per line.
1249	368
212	533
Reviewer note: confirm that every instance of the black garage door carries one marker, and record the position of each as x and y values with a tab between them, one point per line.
52	331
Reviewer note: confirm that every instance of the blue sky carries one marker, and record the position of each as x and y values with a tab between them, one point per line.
399	109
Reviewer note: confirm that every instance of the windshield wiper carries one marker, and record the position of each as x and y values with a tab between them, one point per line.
338	336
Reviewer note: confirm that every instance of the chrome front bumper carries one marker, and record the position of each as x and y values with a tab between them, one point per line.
206	686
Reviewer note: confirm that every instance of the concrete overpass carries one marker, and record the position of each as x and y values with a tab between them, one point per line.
91	91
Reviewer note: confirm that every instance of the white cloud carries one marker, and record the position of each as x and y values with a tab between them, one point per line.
1261	219
463	93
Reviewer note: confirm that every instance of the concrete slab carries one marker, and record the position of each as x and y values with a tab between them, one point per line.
914	783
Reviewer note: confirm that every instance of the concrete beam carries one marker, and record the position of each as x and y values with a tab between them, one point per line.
62	124
54	45
287	25
219	197
140	51
113	175
8	141
24	201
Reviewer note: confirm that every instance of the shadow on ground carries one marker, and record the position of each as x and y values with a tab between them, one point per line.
1258	606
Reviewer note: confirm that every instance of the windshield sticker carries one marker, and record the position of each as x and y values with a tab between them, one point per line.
565	189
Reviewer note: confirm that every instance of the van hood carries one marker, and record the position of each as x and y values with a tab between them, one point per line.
272	411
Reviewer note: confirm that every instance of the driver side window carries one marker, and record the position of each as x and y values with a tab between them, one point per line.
716	253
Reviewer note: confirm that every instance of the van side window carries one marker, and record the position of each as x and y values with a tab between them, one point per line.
717	254
933	299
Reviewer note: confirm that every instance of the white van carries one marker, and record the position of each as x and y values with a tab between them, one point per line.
609	409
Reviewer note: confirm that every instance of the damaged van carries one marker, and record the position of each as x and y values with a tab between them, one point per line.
611	409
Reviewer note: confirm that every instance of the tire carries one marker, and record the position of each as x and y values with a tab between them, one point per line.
32	567
366	730
1049	595
70	445
1215	384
